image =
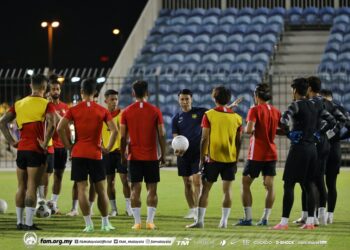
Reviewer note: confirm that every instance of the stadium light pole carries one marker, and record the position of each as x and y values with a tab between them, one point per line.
50	26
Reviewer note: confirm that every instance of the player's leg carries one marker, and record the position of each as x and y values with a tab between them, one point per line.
74	210
304	212
127	192
44	182
109	164
226	203
84	204
102	203
92	195
59	165
136	173
20	196
152	177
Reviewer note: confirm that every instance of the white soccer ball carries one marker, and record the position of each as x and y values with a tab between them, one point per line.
180	142
42	210
3	206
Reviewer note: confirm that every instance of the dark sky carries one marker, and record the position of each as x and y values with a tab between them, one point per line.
84	34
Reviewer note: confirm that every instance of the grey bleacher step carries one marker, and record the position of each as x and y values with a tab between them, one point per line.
289	58
305	40
301	49
294	68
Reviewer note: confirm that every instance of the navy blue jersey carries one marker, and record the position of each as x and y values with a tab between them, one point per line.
188	124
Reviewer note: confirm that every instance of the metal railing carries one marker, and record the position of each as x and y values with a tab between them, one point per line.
13	88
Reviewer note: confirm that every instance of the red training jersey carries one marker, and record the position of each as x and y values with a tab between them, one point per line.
262	146
88	118
141	120
30	132
61	108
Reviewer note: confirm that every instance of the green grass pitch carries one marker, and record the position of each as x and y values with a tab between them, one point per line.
169	218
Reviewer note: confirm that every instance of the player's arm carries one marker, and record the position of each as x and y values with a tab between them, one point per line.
62	127
235	103
238	141
204	145
286	121
123	142
113	135
50	120
7	118
249	128
161	140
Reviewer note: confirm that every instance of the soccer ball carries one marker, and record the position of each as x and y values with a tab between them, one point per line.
3	206
180	142
42	210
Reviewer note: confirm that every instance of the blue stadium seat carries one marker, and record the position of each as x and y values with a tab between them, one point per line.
261	19
268	48
180	12
239	29
332	47
243	20
326	15
149	48
223	29
230	20
341	67
310	15
152	69
206	68
217	47
276	19
273	28
162	21
193	58
344	57
262	11
202	39
210	58
335	37
251	38
137	69
198	48
164	12
244	57
341	19
176	58
246	12
241	67
153	39
277	11
160	58
170	38
180	20
258	68
236	38
261	57
170	69
232	47
173	29
189	30
230	12
295	15
343	11
206	29
247	47
222	68
346	38
339	28
181	48
165	48
329	57
194	20
186	39
227	58
213	12
158	30
198	12
269	37
255	28
210	20
219	38
345	47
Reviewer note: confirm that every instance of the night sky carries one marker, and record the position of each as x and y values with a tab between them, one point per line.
84	34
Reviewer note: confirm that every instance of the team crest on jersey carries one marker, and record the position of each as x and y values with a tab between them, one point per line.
194	116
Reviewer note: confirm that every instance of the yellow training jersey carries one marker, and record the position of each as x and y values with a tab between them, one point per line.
106	133
30	109
223	124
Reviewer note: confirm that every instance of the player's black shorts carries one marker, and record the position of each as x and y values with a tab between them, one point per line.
212	170
27	158
60	158
301	163
112	162
84	167
50	163
187	166
143	170
334	159
253	168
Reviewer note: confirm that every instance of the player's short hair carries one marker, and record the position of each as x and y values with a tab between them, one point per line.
140	88
88	86
185	92
314	83
110	92
53	79
262	91
300	85
221	95
326	92
38	80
